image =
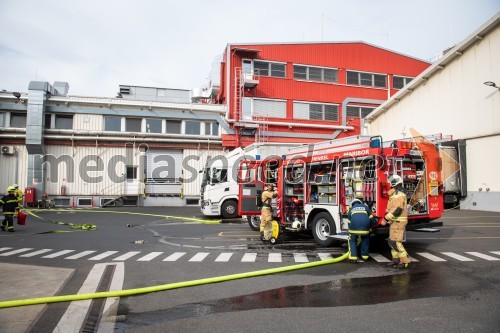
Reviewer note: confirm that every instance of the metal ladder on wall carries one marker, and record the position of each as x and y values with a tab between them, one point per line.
262	135
238	93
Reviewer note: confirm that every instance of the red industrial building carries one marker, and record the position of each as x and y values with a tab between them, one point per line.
304	92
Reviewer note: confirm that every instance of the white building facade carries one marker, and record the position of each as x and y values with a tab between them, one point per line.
86	151
459	95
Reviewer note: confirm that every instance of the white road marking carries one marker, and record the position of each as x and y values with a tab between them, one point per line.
79	255
150	256
249	257
413	259
430	256
75	314
126	256
496	252
379	258
5	248
325	256
110	310
483	256
224	257
199	256
32	254
300	257
58	254
456	256
103	255
10	253
175	256
274	257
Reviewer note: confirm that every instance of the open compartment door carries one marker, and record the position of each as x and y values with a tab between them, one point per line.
248	187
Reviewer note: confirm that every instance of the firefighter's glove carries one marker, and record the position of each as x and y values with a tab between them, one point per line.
384	222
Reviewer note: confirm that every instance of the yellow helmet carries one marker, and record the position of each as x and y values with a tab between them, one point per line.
11	188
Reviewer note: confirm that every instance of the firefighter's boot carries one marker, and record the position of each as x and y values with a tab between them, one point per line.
394	263
403	265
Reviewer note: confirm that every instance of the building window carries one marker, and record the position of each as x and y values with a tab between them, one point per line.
112	124
48	121
358	111
273	69
211	128
318	74
153	125
2	119
133	124
269	108
64	121
192	127
173	127
131	172
315	111
366	79
18	120
399	82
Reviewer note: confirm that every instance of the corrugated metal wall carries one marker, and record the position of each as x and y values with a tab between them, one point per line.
192	177
81	183
14	169
89	122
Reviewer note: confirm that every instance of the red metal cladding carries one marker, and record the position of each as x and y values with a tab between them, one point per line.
344	56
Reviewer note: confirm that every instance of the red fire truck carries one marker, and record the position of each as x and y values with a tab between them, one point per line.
317	183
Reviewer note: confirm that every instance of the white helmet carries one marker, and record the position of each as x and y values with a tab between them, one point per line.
395	180
356	201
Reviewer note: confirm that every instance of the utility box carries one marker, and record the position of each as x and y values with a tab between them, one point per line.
29	196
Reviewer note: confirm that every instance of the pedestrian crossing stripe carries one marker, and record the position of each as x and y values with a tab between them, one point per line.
272	257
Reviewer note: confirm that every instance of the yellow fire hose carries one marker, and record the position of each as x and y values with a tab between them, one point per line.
169	286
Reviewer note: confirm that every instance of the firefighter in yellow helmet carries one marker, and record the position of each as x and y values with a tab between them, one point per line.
19	193
11	206
397	218
266	215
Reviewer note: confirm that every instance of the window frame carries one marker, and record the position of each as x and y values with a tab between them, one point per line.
172	121
372	79
360	110
308	76
62	116
20	115
193	122
405	78
112	117
323	110
269	68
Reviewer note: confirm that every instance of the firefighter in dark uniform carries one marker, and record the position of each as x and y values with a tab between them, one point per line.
11	206
360	221
266	215
397	218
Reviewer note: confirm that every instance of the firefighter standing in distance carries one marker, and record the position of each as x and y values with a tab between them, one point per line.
11	206
397	218
266	211
360	221
19	194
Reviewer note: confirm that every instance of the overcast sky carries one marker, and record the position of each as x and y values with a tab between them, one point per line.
96	45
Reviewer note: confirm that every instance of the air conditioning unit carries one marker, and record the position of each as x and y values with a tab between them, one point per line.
8	150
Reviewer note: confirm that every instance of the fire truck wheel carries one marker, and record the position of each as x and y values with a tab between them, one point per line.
229	209
254	222
323	227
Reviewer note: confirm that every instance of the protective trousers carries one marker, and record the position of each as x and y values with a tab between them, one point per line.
265	222
396	234
8	222
356	240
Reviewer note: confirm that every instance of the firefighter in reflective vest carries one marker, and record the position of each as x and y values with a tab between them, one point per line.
397	218
266	211
360	221
19	194
11	206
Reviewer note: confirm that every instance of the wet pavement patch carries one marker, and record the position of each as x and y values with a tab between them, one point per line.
412	284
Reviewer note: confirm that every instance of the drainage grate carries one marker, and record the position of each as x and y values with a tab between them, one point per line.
97	305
